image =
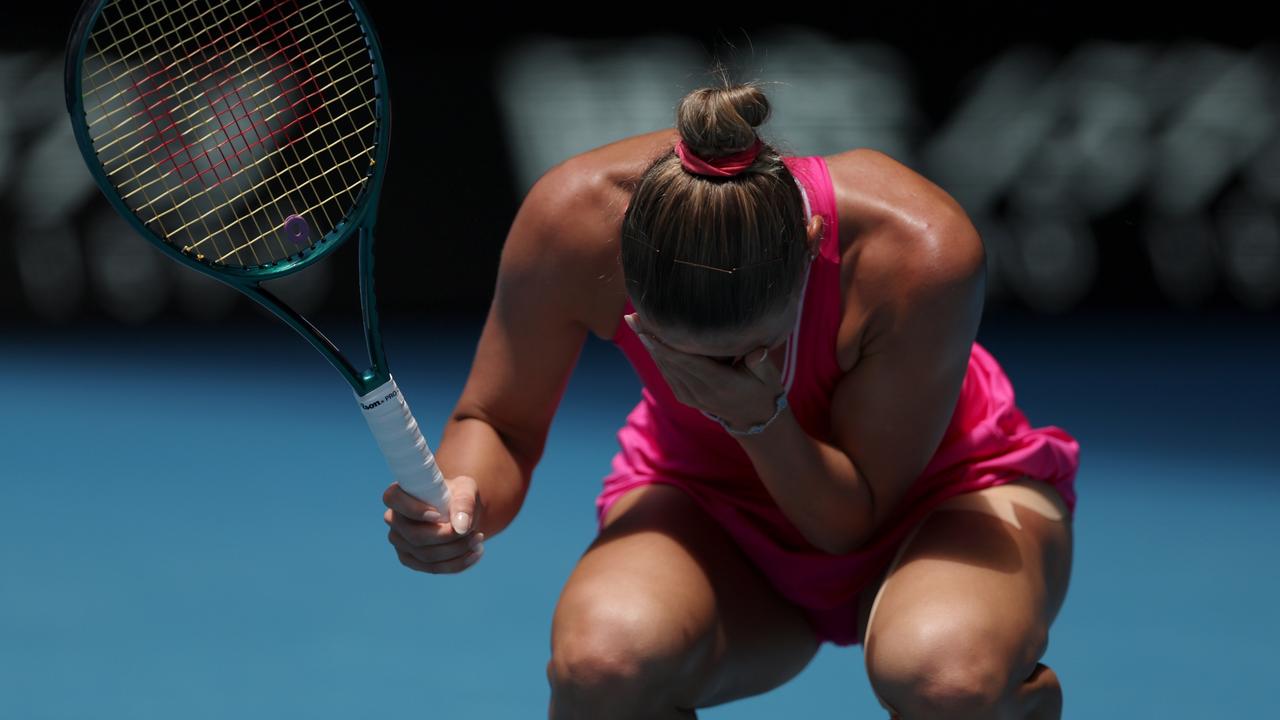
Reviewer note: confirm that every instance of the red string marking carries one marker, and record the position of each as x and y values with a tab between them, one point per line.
164	144
306	67
231	111
170	81
237	112
243	118
199	49
239	116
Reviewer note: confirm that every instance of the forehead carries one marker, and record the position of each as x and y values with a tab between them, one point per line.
769	331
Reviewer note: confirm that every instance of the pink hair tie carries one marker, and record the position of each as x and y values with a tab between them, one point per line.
726	166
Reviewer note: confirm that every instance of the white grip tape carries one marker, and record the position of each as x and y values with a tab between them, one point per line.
397	433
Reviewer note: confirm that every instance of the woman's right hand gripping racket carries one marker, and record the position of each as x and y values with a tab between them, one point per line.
247	140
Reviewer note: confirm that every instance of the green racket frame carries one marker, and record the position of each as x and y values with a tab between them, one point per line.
248	280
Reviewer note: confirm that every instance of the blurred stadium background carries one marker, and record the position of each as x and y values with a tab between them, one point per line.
1108	163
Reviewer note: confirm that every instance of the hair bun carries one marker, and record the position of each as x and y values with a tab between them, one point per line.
719	121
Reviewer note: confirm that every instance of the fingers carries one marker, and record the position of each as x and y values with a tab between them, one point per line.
682	383
462	504
679	387
443	568
703	383
690	369
453	566
428	542
409	506
690	364
633	321
431	554
432	547
757	363
419	533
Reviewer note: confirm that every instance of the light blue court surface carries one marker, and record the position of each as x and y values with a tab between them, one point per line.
177	542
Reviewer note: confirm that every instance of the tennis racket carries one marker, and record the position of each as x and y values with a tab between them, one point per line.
247	140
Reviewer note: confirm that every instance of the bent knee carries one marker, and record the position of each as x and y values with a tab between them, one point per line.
615	649
950	669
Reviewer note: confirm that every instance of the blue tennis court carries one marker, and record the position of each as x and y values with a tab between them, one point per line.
176	542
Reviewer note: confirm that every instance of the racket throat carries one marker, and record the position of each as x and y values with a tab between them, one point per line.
378	370
360	382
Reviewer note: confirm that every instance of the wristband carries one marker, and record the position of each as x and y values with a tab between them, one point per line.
779	406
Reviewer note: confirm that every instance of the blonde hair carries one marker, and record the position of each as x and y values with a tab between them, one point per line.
710	253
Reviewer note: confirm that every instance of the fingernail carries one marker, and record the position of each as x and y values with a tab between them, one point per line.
461	523
432	516
631	322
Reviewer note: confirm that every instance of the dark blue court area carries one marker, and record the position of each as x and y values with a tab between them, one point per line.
190	527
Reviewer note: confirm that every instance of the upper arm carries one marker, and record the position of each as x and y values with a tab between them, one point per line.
889	412
534	330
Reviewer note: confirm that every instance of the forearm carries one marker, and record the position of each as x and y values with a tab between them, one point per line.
815	484
470	446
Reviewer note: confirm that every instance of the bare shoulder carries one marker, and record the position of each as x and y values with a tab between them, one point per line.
572	220
877	191
906	244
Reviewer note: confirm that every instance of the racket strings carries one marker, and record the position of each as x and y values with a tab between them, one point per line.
171	132
150	34
325	176
144	185
249	143
132	162
182	105
315	155
222	126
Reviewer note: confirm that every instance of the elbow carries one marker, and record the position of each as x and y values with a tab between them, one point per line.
842	543
852	529
839	536
525	449
828	547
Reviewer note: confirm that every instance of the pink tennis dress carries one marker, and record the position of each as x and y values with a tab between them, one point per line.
988	442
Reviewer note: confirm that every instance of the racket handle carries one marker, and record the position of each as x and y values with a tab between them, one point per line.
397	433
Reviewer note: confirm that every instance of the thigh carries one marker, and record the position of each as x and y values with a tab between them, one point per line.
662	564
997	560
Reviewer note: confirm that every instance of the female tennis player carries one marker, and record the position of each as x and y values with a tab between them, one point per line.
821	452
